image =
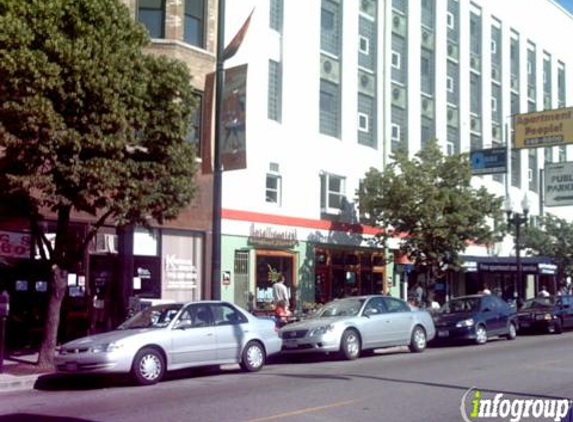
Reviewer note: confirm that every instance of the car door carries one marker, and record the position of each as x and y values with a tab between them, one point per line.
193	337
231	326
375	324
567	310
400	318
492	315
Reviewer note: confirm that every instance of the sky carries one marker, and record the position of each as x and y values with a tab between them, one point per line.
567	4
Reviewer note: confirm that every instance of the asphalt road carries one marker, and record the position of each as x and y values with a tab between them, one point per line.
391	385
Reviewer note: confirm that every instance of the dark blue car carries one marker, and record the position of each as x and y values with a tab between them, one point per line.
547	314
475	318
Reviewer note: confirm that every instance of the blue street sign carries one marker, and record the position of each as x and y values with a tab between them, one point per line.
489	161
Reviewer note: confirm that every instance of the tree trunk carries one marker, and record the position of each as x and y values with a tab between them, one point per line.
58	284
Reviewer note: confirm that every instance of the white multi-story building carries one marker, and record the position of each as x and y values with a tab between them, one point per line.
334	86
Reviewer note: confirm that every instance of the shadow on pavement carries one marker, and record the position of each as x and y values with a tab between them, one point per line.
32	417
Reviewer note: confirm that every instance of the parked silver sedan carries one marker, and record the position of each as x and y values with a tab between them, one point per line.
174	336
355	324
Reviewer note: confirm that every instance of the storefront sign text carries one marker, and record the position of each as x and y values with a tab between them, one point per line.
269	236
14	245
180	273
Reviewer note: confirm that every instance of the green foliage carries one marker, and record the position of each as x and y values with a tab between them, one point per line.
87	120
430	201
88	123
553	237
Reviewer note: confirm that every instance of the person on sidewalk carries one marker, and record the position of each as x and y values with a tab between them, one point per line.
543	292
280	291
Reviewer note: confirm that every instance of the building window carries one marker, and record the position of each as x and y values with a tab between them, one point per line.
275	91
363	122
395	133
494	104
151	13
493	47
396	59
273	188
276	15
194	22
194	135
332	193
329	108
364	45
450	84
451	20
330	24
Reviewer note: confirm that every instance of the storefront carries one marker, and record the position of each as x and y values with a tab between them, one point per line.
165	265
314	272
500	275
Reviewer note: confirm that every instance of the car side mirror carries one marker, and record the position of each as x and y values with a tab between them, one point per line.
369	312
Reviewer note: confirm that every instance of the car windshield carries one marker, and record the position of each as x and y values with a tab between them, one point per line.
469	304
539	302
154	317
343	307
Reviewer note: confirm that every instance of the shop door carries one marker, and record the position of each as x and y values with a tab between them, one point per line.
242	296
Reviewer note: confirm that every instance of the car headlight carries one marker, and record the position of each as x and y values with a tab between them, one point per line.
106	348
319	331
466	323
543	317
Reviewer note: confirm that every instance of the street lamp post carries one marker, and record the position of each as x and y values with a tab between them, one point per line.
517	220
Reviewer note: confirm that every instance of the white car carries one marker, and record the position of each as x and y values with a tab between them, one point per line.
174	336
355	324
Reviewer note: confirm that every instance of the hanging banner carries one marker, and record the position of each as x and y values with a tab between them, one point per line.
233	119
544	128
237	40
207	124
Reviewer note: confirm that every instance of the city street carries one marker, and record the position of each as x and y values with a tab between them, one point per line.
391	385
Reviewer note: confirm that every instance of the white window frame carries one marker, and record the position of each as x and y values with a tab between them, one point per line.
365	50
327	191
366	127
451	20
396	60
450	84
395	132
450	148
278	189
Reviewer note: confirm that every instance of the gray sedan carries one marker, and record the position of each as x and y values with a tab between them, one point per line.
355	324
174	336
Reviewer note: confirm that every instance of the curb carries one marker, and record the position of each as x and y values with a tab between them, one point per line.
13	383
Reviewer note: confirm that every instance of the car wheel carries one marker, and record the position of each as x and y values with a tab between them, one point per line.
253	357
350	345
418	340
148	366
481	334
558	326
511	331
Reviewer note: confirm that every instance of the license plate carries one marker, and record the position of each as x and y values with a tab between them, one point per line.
71	366
290	344
443	333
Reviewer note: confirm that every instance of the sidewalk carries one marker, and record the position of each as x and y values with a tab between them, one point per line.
19	372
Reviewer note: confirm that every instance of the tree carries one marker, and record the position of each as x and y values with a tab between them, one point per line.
552	236
88	123
429	201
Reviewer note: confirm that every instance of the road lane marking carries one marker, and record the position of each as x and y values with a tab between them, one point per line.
304	411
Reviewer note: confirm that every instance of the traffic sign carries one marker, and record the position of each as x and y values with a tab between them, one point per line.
558	184
489	161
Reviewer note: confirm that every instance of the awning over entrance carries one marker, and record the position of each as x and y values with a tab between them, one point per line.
529	264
